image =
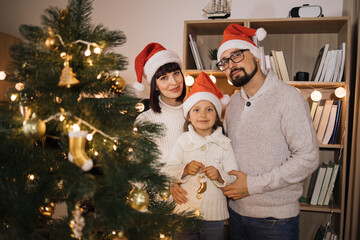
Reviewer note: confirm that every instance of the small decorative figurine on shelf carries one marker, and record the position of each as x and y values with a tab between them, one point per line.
218	9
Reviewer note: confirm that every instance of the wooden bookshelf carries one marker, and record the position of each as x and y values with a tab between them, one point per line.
300	39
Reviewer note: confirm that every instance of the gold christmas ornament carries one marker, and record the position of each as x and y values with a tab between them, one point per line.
48	208
138	199
120	236
34	127
67	77
19	86
52	43
165	194
140	107
77	154
119	83
202	188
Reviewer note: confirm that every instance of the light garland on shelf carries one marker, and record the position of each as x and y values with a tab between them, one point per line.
316	95
189	80
213	78
2	75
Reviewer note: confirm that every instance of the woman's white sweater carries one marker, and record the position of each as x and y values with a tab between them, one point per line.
172	119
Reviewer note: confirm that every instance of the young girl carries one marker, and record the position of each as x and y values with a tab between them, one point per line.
201	158
161	68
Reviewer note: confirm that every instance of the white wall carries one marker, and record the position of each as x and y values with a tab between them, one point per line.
145	21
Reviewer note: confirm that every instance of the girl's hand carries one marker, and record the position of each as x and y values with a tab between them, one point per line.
212	173
192	168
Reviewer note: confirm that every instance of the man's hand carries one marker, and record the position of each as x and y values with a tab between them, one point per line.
178	193
237	189
212	173
192	168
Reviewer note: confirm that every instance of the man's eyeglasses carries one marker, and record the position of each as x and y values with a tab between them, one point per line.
236	57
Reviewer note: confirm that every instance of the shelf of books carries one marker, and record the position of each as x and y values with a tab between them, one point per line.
311	54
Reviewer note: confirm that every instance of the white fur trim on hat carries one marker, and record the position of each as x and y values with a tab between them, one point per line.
196	97
240	44
159	59
139	87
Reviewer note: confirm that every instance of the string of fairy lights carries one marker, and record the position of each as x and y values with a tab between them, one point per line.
316	95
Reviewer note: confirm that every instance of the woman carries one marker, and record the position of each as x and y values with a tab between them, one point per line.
162	70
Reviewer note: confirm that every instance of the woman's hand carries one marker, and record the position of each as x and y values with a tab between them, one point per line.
178	193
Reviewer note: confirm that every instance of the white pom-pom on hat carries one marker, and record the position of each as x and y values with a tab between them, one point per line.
139	87
225	100
260	34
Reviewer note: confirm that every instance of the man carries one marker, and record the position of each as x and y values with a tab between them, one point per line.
273	137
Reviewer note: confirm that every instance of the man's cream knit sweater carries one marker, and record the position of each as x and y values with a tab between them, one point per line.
275	144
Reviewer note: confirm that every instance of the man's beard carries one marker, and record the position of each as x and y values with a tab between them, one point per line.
239	81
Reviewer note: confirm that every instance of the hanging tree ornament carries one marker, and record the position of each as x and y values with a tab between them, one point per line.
67	77
165	194
52	42
77	154
48	208
24	107
34	127
202	188
119	83
77	223
138	198
120	236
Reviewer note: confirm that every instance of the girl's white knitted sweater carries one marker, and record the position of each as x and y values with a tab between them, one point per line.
172	119
213	150
275	144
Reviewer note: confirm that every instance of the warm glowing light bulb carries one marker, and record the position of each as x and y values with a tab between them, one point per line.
316	96
96	153
189	80
13	97
89	137
340	92
2	75
87	52
114	147
213	78
31	177
97	50
61	118
76	127
229	81
19	86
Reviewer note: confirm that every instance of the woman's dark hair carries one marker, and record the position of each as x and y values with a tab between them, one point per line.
154	93
217	123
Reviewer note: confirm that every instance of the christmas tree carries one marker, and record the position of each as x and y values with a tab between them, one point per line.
67	137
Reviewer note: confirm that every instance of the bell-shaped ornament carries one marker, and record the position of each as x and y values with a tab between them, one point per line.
24	107
67	77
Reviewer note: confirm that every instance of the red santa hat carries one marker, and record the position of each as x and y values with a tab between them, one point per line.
149	60
237	36
205	89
